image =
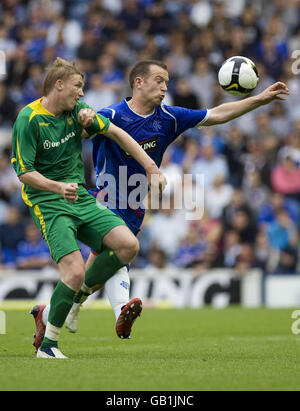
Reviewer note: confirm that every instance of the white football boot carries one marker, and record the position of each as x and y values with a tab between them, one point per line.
72	318
52	352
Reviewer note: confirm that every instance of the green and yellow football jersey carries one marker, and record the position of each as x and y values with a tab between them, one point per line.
50	145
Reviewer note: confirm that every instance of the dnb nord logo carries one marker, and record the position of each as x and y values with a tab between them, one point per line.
52	144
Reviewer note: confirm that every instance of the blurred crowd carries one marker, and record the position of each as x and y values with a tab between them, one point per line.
251	165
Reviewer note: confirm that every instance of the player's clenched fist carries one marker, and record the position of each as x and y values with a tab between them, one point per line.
86	117
69	191
157	182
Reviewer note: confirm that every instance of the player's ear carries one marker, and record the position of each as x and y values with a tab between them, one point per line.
138	81
59	85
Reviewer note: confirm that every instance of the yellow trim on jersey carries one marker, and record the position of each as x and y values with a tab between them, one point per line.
25	197
40	216
32	115
23	168
101	124
13	160
37	108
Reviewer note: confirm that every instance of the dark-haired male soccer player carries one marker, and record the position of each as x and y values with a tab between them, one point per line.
154	126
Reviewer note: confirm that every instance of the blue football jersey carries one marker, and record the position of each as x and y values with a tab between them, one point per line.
117	172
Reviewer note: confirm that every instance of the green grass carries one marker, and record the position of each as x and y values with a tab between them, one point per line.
207	349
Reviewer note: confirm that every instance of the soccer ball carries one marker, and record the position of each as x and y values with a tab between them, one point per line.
238	76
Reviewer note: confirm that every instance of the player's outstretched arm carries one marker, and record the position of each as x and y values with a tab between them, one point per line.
229	111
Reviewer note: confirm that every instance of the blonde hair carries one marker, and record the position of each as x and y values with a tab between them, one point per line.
60	70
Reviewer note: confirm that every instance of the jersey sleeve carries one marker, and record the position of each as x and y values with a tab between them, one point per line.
24	145
100	124
108	114
186	118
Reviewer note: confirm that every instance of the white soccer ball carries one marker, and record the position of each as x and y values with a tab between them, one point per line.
238	76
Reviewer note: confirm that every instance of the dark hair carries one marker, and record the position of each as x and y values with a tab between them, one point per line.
142	69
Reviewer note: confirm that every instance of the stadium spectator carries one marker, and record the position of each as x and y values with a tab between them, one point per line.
272	56
33	86
210	165
88	51
217	197
17	72
32	252
231	248
9	185
201	13
99	94
262	251
191	251
131	15
276	201
189	154
7	44
9	243
158	20
3	211
178	60
202	79
212	135
280	120
288	259
266	135
251	28
7	108
282	232
244	225
167	228
112	76
157	259
244	260
173	172
235	152
66	32
237	45
291	148
285	178
256	159
184	96
237	203
256	193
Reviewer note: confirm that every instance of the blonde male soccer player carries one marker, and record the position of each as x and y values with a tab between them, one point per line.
46	155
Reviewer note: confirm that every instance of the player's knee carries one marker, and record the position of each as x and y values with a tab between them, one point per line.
76	276
129	250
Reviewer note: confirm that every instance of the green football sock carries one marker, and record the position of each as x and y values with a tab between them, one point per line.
104	267
60	305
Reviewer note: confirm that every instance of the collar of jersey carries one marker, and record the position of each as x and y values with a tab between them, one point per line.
38	108
137	114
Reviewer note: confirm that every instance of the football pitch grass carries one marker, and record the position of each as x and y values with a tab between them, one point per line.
170	350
